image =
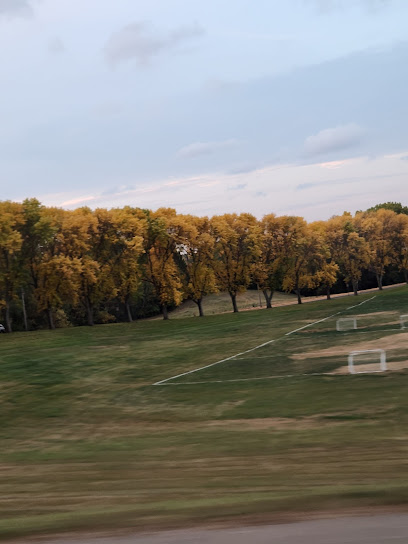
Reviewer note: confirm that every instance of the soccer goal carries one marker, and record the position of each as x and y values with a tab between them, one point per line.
404	321
367	361
346	324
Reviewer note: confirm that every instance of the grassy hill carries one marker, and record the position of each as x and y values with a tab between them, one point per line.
89	442
219	303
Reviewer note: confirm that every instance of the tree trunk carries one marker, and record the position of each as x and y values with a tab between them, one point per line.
7	316
128	312
199	303
380	281
50	318
297	291
234	301
406	275
89	312
165	312
24	311
355	287
268	297
328	292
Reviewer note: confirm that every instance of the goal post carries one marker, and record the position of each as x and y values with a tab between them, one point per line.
370	360
346	324
404	321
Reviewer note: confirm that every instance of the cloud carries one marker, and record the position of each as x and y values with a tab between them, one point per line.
56	46
198	149
138	41
360	183
118	190
333	139
237	187
80	200
15	8
244	169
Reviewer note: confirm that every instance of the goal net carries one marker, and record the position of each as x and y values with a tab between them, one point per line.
404	321
346	324
370	360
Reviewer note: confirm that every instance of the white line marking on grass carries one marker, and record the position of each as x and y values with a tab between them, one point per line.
326	318
364	301
213	364
311	324
163	382
260	378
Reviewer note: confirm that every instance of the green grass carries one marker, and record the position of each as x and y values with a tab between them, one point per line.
88	442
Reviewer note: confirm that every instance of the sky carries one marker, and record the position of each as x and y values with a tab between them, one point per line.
262	106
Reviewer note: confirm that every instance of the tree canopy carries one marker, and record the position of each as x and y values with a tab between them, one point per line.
84	266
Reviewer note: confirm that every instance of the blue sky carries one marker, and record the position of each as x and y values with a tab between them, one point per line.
295	107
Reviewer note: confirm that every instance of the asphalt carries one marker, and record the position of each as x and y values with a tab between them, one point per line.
380	529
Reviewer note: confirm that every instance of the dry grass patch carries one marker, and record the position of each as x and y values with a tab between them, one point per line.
395	341
393	366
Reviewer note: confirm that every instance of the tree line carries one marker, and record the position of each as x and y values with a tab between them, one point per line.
60	267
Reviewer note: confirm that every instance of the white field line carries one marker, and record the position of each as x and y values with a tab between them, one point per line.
260	378
330	316
162	382
213	364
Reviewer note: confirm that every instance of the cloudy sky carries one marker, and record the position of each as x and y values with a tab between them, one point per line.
296	107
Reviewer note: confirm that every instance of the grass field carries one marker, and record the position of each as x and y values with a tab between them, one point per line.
88	442
219	303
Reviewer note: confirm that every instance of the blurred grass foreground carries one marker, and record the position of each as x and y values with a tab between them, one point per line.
87	440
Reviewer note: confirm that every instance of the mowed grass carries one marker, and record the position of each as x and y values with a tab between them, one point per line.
88	442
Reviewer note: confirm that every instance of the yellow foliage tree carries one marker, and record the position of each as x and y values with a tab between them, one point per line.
400	243
301	254
11	220
195	245
130	226
326	269
378	228
161	270
267	270
237	247
349	248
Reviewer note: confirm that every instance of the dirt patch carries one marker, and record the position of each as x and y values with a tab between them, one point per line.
373	367
376	314
278	423
395	341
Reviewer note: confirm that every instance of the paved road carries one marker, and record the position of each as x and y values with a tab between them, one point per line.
384	529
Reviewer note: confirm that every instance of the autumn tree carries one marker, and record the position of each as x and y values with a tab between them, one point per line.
400	244
349	248
325	268
127	251
378	228
11	220
301	254
236	248
267	270
88	238
160	268
195	245
49	267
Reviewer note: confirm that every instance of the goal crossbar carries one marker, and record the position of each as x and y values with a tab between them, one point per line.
382	360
